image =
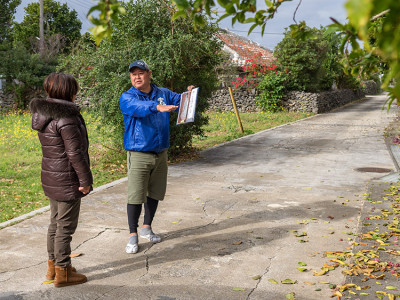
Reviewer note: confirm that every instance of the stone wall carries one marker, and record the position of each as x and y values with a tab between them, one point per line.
6	100
244	99
370	87
319	102
293	101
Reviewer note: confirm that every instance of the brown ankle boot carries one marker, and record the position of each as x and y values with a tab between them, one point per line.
51	273
65	277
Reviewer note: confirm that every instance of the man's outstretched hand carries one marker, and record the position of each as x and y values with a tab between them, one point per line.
166	108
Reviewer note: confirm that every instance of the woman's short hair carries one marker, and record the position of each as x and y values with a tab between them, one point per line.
61	86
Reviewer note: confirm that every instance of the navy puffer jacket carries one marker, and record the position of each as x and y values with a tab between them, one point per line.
63	136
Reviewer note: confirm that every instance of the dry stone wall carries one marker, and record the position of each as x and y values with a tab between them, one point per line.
293	101
244	99
319	102
6	100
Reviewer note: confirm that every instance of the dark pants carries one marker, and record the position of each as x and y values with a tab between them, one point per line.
63	222
134	211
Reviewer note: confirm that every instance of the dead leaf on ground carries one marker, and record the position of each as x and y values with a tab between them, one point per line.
72	255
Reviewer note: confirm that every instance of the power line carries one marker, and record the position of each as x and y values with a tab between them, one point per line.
270	33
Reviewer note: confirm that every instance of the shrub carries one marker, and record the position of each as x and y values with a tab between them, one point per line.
311	63
254	71
178	55
272	89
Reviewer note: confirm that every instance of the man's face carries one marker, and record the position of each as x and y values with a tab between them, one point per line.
141	79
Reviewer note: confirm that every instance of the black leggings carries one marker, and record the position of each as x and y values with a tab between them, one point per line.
134	211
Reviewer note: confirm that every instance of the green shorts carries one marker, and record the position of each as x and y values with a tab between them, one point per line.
147	176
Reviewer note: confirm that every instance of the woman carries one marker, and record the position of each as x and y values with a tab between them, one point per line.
66	175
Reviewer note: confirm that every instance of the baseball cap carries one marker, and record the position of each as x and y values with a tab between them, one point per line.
139	64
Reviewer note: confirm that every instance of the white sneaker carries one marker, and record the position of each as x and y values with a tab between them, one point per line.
148	234
132	246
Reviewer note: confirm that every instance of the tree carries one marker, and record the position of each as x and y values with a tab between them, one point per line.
58	19
177	54
24	73
305	61
7	8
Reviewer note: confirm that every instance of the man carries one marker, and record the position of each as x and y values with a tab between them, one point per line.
145	108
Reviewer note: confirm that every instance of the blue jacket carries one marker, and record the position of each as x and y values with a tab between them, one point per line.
147	129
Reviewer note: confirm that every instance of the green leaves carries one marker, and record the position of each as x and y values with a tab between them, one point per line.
240	11
359	13
109	11
288	281
290	296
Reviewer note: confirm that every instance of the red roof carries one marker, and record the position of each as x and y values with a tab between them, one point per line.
244	48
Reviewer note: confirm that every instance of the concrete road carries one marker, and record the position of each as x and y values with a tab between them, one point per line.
233	222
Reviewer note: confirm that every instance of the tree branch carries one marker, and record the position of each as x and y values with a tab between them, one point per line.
294	15
379	15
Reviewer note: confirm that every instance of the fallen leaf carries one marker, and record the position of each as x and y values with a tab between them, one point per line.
47	281
72	255
238	289
290	296
391	288
272	280
257	277
302	269
302	264
288	281
309	283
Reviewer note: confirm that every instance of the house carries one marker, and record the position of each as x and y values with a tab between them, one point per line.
242	49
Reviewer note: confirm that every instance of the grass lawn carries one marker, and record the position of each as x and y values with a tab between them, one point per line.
20	162
224	126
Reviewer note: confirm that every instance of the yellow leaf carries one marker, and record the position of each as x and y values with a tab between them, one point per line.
320	273
351	292
272	280
47	281
339	261
72	255
339	294
309	283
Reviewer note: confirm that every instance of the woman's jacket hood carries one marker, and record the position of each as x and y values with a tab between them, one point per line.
45	110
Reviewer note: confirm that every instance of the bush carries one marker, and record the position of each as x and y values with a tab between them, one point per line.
24	73
272	89
177	54
311	63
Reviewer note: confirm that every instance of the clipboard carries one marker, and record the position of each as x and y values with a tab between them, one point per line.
187	108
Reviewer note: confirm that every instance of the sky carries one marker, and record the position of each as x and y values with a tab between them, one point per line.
314	12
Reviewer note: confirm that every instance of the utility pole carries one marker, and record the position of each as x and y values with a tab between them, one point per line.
41	31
